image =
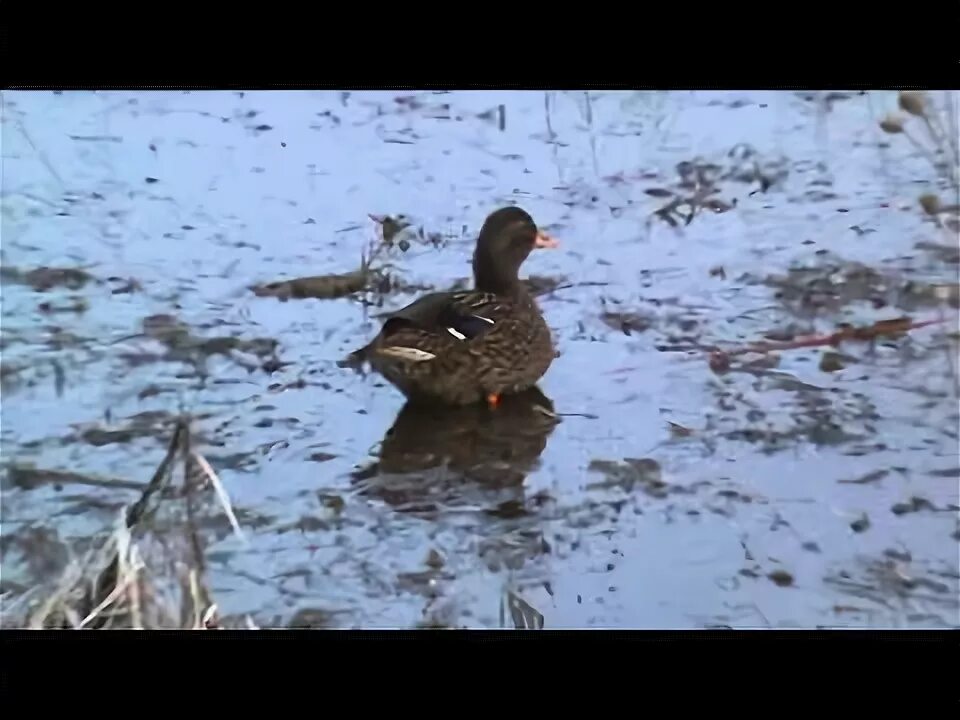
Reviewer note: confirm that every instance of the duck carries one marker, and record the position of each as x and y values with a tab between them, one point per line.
466	347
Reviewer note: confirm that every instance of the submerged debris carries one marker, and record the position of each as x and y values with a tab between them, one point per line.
183	346
833	284
699	183
26	477
868	478
312	618
642	472
861	524
370	276
46	278
323	287
781	578
834	361
915	504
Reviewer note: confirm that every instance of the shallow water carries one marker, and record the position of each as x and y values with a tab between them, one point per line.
668	495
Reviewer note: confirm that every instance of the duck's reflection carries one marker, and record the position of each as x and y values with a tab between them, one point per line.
433	459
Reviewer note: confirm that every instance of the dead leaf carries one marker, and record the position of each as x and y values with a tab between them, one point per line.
679	430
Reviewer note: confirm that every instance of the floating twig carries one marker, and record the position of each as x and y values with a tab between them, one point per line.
895	326
720	358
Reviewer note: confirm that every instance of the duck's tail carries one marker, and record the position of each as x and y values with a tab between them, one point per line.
355	360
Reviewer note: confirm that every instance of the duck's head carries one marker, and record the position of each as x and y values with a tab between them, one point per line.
506	239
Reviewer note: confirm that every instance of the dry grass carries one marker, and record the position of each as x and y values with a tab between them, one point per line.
929	122
135	579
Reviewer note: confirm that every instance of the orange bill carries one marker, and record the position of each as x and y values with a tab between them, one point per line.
545	241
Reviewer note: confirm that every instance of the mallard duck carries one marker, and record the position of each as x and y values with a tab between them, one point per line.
460	348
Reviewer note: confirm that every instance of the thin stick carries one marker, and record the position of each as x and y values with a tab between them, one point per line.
195	595
593	135
209	617
72	617
954	142
221	493
136	511
70	578
867	333
882	327
927	153
188	484
117	591
944	140
950	358
123	570
136	615
546	113
40	154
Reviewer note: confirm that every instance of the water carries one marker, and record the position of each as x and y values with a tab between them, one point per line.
741	513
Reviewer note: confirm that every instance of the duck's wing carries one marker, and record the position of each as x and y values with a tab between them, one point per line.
461	316
432	325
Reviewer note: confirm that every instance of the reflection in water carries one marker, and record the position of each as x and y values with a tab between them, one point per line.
434	457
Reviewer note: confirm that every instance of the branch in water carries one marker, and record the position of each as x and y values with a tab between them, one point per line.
720	358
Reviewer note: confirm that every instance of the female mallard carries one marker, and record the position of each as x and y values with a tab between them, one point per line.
458	348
